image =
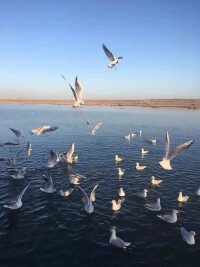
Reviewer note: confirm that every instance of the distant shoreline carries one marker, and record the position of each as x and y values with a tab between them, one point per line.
152	103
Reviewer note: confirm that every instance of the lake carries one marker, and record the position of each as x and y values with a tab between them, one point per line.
50	230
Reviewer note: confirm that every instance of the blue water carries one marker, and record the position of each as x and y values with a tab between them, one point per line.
53	231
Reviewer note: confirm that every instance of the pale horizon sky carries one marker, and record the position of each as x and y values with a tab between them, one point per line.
159	42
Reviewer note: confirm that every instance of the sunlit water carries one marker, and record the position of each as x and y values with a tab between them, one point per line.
50	230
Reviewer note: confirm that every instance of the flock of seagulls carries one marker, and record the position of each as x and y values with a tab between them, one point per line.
75	179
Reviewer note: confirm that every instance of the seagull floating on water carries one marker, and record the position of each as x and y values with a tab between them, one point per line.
116	241
144	152
140	133
48	185
93	130
153	141
44	129
140	168
142	194
116	205
156	206
182	198
170	218
16	203
118	159
77	92
121	192
133	135
121	171
188	237
165	163
87	201
127	137
113	59
156	181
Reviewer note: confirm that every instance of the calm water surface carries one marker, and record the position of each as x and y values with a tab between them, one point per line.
50	230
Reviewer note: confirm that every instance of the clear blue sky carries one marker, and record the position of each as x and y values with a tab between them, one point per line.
158	39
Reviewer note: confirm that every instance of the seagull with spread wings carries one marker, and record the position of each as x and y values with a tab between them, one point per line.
77	92
93	129
113	59
87	201
165	163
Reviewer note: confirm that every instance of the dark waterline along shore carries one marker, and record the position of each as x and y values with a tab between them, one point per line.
153	103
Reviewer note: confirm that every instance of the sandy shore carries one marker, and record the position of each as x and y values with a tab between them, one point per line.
153	103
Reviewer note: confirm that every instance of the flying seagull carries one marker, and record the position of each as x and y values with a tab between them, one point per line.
16	203
93	130
165	163
87	201
48	185
77	92
44	129
113	59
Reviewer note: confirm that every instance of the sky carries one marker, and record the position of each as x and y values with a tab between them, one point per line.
42	39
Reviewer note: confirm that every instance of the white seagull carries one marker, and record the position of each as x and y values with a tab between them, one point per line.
154	206
70	154
144	152
133	135
87	201
156	181
118	159
140	168
48	185
28	149
198	192
121	171
182	198
142	194
93	129
77	92
113	59
121	192
153	141
165	163
75	178
44	129
127	137
116	205
188	237
66	193
54	158
16	203
140	133
170	218
116	241
18	174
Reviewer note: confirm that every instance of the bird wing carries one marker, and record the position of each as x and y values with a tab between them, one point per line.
85	198
74	92
185	234
78	88
49	181
89	125
167	144
108	53
97	126
93	193
47	128
70	152
16	132
180	149
23	191
118	242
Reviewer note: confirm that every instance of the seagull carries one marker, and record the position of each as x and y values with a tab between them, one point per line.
118	159
140	168
54	159
198	192
66	193
116	205
121	192
70	154
165	163
153	141
182	198
170	218
127	137
44	129
155	181
142	194
144	152
18	174
93	130
114	60
16	203
116	241
28	149
140	133
17	133
75	178
154	206
133	135
77	92
87	201
188	237
48	185
121	171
